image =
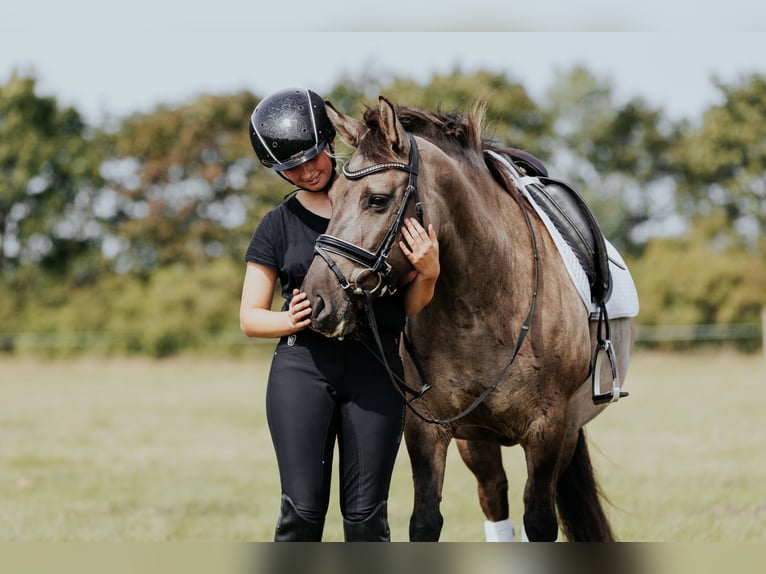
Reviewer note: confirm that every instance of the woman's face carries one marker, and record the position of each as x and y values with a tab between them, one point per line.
313	175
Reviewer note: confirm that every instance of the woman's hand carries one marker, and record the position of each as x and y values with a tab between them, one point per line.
421	248
299	310
256	319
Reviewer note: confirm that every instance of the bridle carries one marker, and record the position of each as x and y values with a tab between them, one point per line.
375	264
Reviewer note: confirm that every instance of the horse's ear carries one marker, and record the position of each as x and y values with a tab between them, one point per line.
392	127
349	129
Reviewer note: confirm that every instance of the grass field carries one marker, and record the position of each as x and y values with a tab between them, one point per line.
178	450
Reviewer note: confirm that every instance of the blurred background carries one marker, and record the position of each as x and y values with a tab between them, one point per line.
129	191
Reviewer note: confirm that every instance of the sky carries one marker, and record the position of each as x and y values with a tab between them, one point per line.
110	59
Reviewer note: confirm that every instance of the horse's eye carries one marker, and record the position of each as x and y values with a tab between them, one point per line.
378	201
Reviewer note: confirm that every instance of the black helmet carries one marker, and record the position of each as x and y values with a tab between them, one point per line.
289	128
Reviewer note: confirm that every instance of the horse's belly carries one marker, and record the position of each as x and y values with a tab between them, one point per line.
473	432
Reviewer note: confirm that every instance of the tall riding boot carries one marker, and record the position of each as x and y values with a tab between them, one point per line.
292	527
372	529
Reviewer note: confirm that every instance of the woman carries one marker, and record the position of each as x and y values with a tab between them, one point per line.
321	390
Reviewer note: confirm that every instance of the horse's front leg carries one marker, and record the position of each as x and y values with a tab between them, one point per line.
427	447
542	449
485	461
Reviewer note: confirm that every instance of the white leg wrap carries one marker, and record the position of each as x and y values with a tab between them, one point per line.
499	531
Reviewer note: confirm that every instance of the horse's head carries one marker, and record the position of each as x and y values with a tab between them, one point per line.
359	254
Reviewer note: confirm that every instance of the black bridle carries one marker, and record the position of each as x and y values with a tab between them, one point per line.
374	263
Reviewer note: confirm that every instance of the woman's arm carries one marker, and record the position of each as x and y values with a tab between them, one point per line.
256	319
422	249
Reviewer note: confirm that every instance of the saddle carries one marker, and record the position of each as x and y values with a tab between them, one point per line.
573	218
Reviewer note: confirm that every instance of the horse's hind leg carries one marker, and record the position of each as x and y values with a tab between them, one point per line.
427	448
542	448
485	461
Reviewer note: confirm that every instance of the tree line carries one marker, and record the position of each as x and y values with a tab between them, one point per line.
133	231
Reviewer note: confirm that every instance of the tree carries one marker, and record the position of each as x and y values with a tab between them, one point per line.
180	180
617	155
702	277
722	164
48	171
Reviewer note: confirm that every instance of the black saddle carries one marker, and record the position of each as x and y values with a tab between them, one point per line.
524	160
573	218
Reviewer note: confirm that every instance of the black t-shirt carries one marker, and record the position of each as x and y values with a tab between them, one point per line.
284	240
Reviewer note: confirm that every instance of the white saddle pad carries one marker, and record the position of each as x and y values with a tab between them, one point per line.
623	297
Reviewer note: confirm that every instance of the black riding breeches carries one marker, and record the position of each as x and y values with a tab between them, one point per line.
320	390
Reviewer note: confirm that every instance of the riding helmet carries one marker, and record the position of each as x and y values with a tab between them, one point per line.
289	128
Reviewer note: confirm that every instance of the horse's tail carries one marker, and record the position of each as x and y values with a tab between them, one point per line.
578	499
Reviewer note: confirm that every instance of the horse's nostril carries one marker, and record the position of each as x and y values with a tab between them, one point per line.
317	306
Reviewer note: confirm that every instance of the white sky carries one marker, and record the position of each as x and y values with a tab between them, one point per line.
111	58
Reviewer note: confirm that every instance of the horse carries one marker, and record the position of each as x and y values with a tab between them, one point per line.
504	353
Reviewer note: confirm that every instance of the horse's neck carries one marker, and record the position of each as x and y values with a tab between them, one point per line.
488	251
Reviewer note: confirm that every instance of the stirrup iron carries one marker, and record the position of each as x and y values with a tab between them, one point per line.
615	394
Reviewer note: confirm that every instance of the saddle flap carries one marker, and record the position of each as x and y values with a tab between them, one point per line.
573	218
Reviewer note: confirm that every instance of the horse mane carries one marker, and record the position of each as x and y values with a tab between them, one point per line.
452	131
456	133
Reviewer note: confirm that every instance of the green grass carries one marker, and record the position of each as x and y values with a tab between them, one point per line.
683	457
178	450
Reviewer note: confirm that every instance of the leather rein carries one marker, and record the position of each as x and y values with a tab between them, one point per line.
377	263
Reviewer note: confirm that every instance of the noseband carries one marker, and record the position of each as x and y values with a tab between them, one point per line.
376	263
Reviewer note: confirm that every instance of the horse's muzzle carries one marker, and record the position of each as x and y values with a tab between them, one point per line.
332	320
